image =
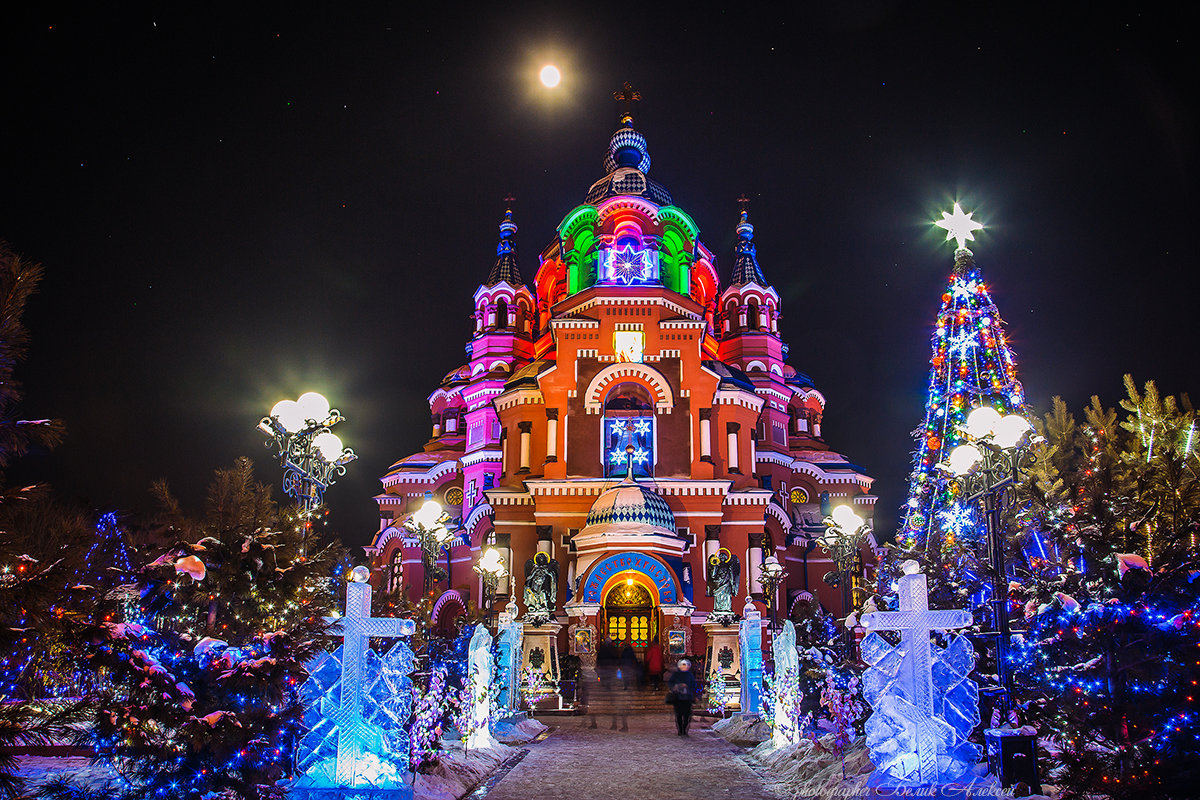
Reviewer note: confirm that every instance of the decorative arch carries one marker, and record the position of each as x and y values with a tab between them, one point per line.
449	607
594	585
780	516
660	389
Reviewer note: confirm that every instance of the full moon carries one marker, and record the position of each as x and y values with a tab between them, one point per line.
550	76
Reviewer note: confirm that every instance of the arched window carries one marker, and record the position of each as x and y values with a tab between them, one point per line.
501	314
395	570
628	420
752	316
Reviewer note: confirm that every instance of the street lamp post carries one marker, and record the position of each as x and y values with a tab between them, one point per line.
844	532
770	576
312	456
428	524
491	569
985	468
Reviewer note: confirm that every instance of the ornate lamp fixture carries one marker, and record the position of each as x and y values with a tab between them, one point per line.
312	456
999	450
428	524
771	575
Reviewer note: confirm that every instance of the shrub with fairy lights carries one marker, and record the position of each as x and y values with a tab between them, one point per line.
201	696
1111	592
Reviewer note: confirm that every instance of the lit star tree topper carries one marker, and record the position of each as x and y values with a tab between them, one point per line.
959	226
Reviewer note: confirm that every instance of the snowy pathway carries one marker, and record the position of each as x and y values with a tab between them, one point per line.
647	762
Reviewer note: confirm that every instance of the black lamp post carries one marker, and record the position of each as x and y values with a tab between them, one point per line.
312	456
985	468
771	574
844	532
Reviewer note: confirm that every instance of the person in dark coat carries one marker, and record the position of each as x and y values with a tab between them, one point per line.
682	684
630	668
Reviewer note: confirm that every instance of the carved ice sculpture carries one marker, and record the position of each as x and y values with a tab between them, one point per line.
479	714
358	704
511	632
786	688
750	638
924	704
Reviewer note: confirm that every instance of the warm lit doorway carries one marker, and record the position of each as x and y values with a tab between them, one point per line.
630	616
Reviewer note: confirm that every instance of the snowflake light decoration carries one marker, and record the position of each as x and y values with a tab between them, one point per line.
642	427
628	265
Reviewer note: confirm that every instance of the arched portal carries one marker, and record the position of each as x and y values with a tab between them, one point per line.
629	616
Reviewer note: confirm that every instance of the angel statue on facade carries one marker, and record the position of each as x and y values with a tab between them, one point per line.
722	585
541	588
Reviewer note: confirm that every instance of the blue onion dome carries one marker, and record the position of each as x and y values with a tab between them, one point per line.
745	259
505	268
629	504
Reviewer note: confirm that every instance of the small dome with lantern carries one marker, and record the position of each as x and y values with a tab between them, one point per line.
633	508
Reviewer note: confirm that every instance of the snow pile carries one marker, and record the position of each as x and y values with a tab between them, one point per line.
743	731
809	769
517	731
458	771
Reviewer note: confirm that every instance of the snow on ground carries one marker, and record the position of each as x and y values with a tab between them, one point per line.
743	731
510	731
809	769
458	771
80	769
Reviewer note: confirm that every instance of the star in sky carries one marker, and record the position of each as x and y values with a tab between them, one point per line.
958	226
628	264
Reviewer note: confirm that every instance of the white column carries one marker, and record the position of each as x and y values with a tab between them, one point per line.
753	452
732	436
705	436
754	558
552	435
526	437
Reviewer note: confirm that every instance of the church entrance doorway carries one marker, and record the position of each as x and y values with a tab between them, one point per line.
630	616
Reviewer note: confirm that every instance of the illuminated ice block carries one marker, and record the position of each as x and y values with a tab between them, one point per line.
358	703
511	632
750	638
924	704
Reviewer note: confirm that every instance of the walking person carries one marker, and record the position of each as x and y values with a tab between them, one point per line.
682	684
654	665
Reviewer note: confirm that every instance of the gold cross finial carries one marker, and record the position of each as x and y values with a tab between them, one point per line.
743	202
627	97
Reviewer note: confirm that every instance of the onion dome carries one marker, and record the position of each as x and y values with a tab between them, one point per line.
631	505
505	268
627	160
745	259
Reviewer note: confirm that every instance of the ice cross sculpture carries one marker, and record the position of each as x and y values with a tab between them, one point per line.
924	704
363	676
479	717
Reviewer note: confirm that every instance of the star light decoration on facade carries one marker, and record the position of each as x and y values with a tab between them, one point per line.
628	264
958	226
642	427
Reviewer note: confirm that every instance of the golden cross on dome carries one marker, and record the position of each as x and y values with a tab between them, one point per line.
627	97
743	202
958	226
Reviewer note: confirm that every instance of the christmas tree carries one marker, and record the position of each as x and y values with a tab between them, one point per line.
1108	668
202	692
29	585
971	365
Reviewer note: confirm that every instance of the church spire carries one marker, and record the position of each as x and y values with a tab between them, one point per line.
745	260
505	268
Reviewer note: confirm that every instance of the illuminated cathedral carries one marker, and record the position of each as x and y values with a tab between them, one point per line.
630	415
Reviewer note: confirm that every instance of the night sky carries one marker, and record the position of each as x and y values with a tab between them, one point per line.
235	206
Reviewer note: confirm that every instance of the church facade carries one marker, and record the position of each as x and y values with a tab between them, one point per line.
633	417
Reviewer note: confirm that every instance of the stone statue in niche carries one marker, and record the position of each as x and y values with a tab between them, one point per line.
724	569
541	589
